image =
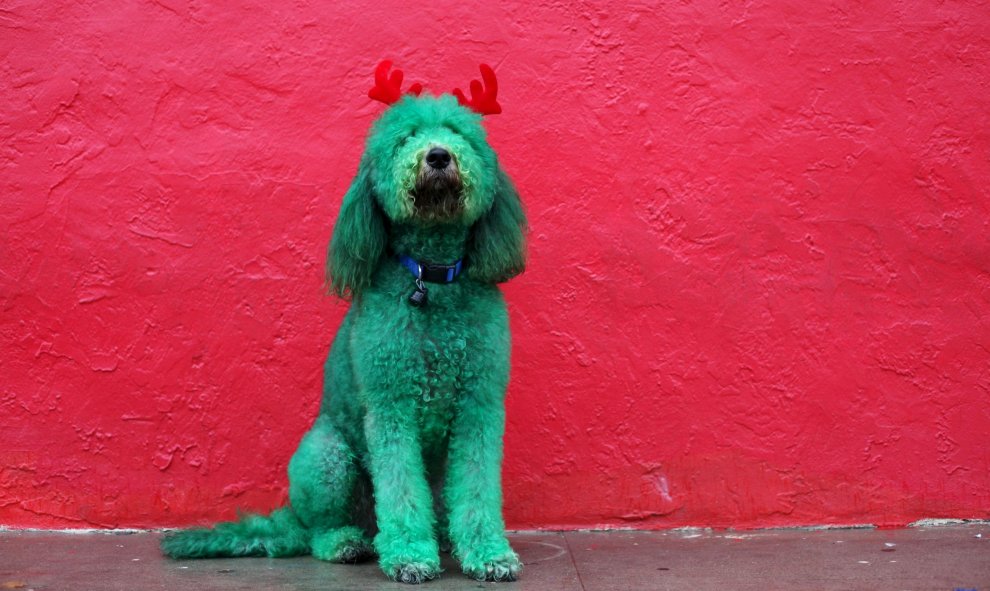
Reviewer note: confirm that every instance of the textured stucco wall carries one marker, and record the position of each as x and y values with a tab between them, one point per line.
759	290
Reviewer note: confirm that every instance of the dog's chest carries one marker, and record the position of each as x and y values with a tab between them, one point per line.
443	350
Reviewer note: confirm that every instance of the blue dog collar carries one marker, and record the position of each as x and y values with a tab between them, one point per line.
432	272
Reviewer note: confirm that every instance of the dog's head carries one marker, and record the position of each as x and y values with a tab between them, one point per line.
427	161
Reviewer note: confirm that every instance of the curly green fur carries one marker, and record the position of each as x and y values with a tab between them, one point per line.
413	397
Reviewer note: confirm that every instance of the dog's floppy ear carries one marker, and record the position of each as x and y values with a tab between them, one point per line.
359	238
497	246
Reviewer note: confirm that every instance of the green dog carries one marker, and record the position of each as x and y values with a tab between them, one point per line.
407	447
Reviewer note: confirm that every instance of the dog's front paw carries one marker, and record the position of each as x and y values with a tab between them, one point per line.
505	567
413	573
408	561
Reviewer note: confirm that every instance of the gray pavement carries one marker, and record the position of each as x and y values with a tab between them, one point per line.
945	558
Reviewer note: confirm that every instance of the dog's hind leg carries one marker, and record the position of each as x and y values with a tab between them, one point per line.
440	510
344	544
322	475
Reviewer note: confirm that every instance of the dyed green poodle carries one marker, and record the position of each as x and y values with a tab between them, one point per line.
413	396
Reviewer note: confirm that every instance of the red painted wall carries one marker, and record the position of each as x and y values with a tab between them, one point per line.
759	290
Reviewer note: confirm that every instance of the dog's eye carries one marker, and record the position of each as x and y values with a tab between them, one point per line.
405	140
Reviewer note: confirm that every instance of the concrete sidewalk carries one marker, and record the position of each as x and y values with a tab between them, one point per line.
943	558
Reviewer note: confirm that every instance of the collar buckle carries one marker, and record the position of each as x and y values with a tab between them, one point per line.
432	272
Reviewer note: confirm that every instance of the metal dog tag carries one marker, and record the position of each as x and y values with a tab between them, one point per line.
418	297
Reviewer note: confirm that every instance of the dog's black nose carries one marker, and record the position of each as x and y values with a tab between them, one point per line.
438	158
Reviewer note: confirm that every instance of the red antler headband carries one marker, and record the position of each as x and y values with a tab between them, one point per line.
388	89
482	96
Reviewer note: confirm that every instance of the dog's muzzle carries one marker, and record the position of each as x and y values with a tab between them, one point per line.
438	192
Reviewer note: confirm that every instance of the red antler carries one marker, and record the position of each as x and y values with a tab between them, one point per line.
482	97
388	89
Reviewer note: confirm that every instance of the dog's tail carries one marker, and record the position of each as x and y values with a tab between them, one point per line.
279	534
